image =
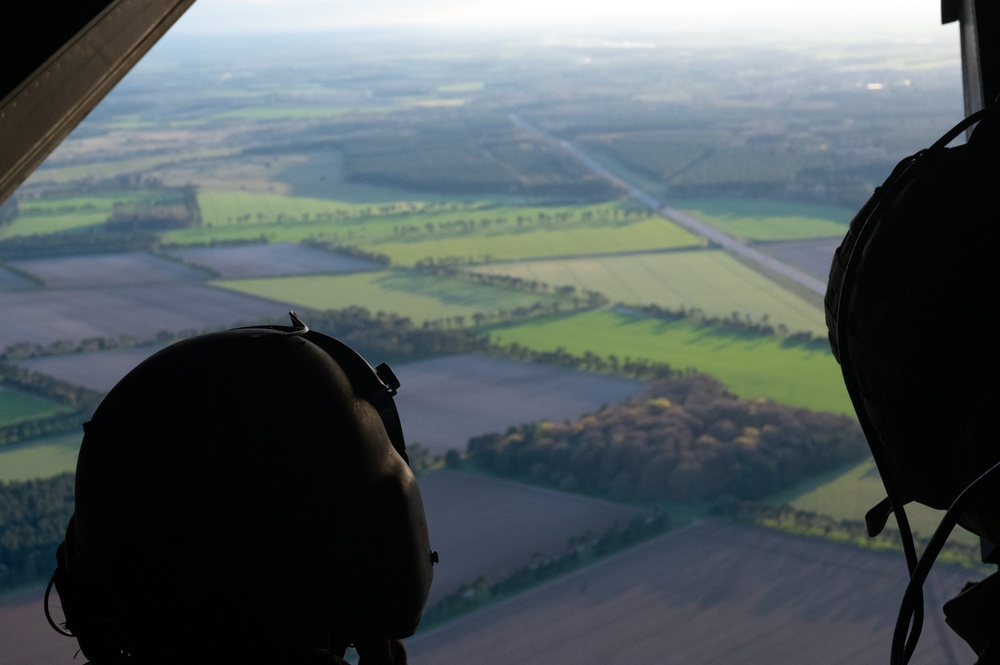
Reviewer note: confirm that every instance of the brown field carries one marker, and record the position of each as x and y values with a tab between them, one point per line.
11	281
51	315
465	512
99	270
444	401
25	636
714	593
270	260
99	371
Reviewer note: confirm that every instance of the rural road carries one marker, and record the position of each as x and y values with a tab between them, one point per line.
685	220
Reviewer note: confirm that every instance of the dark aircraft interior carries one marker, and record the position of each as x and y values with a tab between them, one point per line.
61	57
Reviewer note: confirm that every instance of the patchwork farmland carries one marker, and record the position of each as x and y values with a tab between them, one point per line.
708	280
139	294
464	513
442	402
709	594
270	260
463	509
402	177
48	316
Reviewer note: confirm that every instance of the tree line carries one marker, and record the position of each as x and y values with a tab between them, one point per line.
541	219
73	244
686	438
349	250
742	324
82	400
451	269
33	519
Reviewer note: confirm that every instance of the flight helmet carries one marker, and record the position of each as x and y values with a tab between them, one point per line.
245	494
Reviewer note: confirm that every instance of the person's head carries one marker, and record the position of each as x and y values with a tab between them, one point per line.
913	322
245	495
912	314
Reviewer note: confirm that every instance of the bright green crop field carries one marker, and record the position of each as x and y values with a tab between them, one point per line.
17	406
416	296
771	220
654	233
707	279
411	231
849	494
248	209
65	214
41	458
752	367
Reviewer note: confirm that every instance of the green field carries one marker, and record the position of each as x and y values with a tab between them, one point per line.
417	296
17	406
235	208
709	280
65	214
654	233
770	220
411	231
42	458
847	494
752	367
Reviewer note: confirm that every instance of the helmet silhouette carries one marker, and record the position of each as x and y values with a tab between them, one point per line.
914	323
245	491
911	311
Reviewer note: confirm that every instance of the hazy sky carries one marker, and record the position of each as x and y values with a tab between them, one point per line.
242	16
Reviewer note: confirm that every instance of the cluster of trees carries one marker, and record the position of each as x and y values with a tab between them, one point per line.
685	439
174	208
695	165
581	551
33	519
443	156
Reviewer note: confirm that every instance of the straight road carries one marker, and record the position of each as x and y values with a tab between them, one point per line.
727	242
